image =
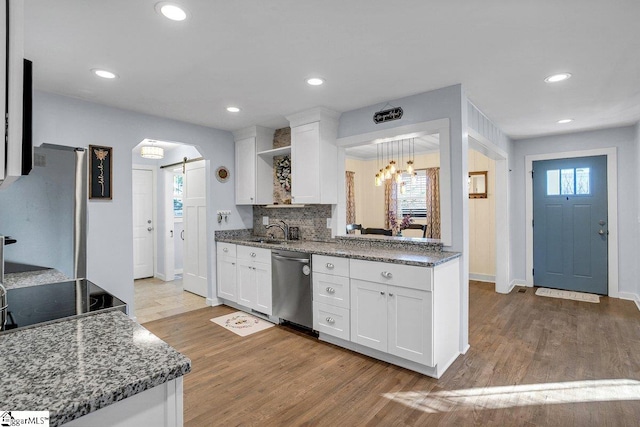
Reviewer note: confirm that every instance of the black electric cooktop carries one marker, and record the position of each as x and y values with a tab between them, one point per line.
45	303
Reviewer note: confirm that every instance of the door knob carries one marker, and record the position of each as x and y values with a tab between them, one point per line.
148	221
149	228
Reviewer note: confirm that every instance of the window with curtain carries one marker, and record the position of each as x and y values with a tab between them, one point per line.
414	200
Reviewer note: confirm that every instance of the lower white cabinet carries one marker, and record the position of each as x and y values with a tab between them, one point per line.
253	277
226	271
392	319
331	320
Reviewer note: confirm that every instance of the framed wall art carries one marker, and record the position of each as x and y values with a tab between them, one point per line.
100	172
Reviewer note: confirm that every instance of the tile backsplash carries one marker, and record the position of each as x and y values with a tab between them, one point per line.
310	219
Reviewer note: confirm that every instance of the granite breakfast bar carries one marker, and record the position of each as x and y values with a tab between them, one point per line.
100	369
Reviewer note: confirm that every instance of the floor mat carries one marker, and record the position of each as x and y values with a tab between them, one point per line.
241	323
576	296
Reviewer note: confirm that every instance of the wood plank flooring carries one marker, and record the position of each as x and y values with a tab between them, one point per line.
156	299
534	361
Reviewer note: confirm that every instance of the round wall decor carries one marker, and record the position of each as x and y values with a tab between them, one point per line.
222	174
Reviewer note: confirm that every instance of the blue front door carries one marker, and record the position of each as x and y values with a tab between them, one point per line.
570	224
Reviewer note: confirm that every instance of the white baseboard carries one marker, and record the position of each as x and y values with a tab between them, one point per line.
160	276
177	271
631	297
212	302
482	277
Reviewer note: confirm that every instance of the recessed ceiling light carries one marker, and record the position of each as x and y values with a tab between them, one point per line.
563	121
233	109
104	73
171	11
315	81
555	78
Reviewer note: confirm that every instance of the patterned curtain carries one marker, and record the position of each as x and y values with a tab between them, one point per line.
433	203
390	201
351	197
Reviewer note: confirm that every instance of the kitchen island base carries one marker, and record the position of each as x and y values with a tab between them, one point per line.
159	406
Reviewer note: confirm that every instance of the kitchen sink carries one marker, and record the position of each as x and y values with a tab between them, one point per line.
268	241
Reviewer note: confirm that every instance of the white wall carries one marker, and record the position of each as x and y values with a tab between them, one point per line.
482	238
447	103
625	141
67	121
637	146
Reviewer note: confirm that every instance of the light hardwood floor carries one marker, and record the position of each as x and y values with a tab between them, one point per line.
156	299
534	361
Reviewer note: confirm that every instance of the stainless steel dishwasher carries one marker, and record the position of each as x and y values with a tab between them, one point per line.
291	274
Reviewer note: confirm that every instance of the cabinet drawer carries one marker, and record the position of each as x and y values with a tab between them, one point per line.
254	254
331	265
226	249
332	290
407	276
331	320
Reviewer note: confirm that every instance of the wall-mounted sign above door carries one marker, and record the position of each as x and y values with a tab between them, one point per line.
388	115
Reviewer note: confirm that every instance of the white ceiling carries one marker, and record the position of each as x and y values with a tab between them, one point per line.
256	54
402	148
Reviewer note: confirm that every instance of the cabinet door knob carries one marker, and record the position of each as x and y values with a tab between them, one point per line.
330	320
330	266
381	293
225	250
387	274
390	294
330	290
233	263
253	254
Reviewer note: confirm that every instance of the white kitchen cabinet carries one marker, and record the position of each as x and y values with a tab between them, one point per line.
253	173
392	319
226	271
254	278
314	157
11	101
331	296
246	171
406	311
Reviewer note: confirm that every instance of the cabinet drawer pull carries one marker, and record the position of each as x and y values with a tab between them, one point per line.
253	254
387	274
225	250
330	320
330	290
330	266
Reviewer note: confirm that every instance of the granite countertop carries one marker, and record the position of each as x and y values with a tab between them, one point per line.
423	258
78	366
33	278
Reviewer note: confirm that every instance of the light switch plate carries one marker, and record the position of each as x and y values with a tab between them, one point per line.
265	220
328	222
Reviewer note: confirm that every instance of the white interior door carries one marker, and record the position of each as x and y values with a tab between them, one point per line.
195	229
143	227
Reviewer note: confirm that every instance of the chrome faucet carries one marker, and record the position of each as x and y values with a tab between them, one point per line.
284	227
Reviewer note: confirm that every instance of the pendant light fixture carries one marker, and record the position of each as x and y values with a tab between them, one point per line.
152	151
387	169
379	177
400	158
410	161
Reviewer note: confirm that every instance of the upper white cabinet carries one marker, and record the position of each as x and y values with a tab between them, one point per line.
314	156
254	173
11	61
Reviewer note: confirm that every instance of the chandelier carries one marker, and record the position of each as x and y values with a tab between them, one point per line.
152	151
393	169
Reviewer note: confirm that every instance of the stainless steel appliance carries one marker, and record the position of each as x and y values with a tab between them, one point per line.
291	281
34	305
